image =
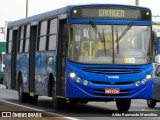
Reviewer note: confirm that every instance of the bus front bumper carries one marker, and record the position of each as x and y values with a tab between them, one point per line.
94	91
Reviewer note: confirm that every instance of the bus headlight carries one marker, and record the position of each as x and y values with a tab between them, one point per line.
85	82
72	75
144	81
137	83
148	77
78	80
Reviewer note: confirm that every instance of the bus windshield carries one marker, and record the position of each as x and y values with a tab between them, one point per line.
109	44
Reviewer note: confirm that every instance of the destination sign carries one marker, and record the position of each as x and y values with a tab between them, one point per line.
111	13
124	13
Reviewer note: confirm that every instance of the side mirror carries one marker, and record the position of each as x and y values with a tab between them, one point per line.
157	58
154	44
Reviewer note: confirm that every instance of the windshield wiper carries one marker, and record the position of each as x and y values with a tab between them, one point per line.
117	42
104	42
94	26
124	32
100	36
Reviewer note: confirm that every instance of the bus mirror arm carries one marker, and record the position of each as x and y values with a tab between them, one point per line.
154	43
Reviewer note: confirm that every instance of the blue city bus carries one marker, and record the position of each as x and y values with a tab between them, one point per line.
82	53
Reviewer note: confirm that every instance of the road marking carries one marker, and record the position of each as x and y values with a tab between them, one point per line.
39	110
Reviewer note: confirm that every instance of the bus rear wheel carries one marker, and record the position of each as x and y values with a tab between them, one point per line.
123	104
23	97
151	103
58	103
33	99
1	80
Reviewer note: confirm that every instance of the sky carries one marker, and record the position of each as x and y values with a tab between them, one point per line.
11	10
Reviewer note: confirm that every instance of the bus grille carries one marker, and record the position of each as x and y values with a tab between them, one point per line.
108	83
106	70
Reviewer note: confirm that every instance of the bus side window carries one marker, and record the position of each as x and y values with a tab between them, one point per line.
42	36
51	43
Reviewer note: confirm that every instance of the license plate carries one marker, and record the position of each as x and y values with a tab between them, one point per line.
112	91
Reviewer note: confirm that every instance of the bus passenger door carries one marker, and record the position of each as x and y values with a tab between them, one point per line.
13	60
61	57
32	52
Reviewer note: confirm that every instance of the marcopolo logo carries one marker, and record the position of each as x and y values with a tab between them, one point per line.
113	77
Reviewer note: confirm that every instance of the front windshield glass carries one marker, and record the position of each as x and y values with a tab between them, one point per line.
109	44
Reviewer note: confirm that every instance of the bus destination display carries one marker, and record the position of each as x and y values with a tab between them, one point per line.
111	13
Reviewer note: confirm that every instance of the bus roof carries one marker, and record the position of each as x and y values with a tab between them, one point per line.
58	12
38	17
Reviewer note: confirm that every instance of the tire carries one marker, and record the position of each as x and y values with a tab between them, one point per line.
151	103
83	101
23	97
123	104
73	101
33	100
58	103
1	80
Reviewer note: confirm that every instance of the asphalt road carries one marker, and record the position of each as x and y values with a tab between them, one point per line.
91	111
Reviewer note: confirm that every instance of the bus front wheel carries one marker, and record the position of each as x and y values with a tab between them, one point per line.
151	103
83	101
123	104
58	103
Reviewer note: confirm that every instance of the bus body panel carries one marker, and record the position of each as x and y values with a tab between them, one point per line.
42	67
7	78
22	67
110	22
74	91
97	83
42	72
